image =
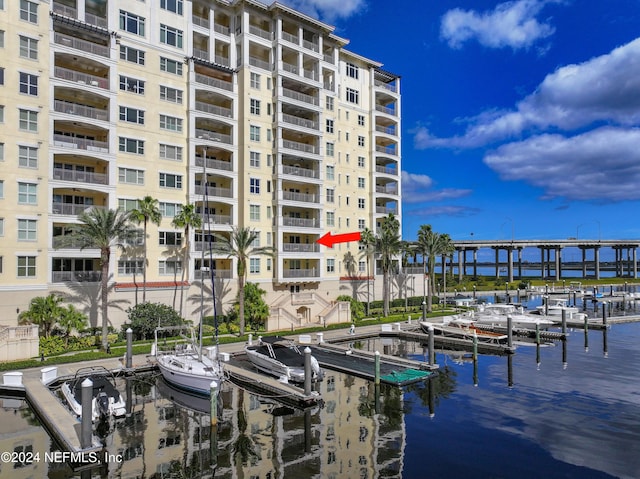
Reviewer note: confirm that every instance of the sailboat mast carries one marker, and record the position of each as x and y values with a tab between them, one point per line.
205	207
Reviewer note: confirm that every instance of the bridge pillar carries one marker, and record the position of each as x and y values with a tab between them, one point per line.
475	263
497	250
558	262
584	261
542	263
596	259
510	264
519	263
635	263
462	263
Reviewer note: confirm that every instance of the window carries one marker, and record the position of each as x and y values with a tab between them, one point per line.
132	85
361	162
254	159
129	267
169	210
168	180
1	38
352	71
131	23
254	133
254	265
26	266
174	6
27	193
360	140
170	36
255	81
255	106
131	145
170	123
361	224
166	267
1	113
28	48
254	212
346	179
346	137
352	96
131	55
170	66
360	120
28	84
329	126
28	11
331	218
131	176
329	103
27	230
172	95
329	149
254	185
132	115
169	238
330	195
361	203
331	172
360	182
128	205
1	154
28	157
1	232
28	120
331	265
1	76
170	152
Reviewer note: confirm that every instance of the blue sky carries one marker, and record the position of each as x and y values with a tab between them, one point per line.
520	119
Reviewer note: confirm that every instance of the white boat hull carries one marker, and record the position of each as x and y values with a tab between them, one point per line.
188	372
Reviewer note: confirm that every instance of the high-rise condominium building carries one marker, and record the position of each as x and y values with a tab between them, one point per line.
254	114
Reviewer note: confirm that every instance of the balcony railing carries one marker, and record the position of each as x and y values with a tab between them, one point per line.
79	176
295	145
215	164
79	276
386	109
222	29
303	122
386	210
200	53
80	143
300	96
71	209
291	38
218	273
222	60
66	243
291	68
260	32
301	222
200	21
72	12
387	170
215	191
214	109
300	248
79	77
310	74
214	82
304	197
389	130
390	190
389	150
328	57
310	45
213	136
256	62
386	86
83	45
70	108
301	273
297	171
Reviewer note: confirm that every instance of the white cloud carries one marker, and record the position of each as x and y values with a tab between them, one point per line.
444	210
601	165
326	10
602	89
419	188
510	24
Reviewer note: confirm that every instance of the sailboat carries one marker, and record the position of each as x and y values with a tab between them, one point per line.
187	364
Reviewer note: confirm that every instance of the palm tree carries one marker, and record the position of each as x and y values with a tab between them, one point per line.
368	240
388	245
240	245
70	319
430	245
186	219
45	311
103	229
147	211
350	265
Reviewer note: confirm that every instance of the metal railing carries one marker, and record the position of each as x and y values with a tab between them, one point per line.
92	19
200	53
79	276
65	10
71	209
80	176
67	243
80	143
310	45
389	130
389	150
200	21
385	210
296	120
290	38
214	82
215	191
387	170
288	67
79	77
301	222
295	145
70	108
328	58
300	248
304	197
222	29
390	190
386	86
298	171
85	46
256	62
386	109
213	136
300	273
215	164
221	60
310	74
303	97
218	273
255	30
214	109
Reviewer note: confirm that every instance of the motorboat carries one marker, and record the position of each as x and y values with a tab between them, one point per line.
498	315
106	401
555	306
187	365
461	328
282	358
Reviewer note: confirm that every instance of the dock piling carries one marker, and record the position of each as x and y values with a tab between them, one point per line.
432	351
509	331
604	313
213	403
87	423
475	346
129	356
376	376
307	371
564	321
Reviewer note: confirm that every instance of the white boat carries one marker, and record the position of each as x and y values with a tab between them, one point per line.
187	366
282	358
498	314
106	401
463	329
555	306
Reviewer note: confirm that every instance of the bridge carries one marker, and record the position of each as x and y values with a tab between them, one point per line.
626	261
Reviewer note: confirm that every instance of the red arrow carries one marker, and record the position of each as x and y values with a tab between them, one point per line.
328	240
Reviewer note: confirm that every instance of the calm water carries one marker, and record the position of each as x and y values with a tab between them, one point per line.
546	412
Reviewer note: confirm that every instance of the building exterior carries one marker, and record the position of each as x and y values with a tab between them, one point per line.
256	114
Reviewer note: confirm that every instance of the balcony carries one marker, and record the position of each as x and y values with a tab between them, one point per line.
256	62
290	38
213	136
214	109
389	150
217	273
67	243
214	82
300	222
298	171
386	86
303	122
71	209
386	109
72	12
389	189
200	21
255	30
65	141
214	191
294	95
311	46
302	197
387	170
76	276
297	146
82	45
386	210
310	74
79	176
62	106
388	130
214	164
301	273
300	248
81	78
222	29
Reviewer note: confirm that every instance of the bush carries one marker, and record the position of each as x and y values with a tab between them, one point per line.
144	318
357	308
